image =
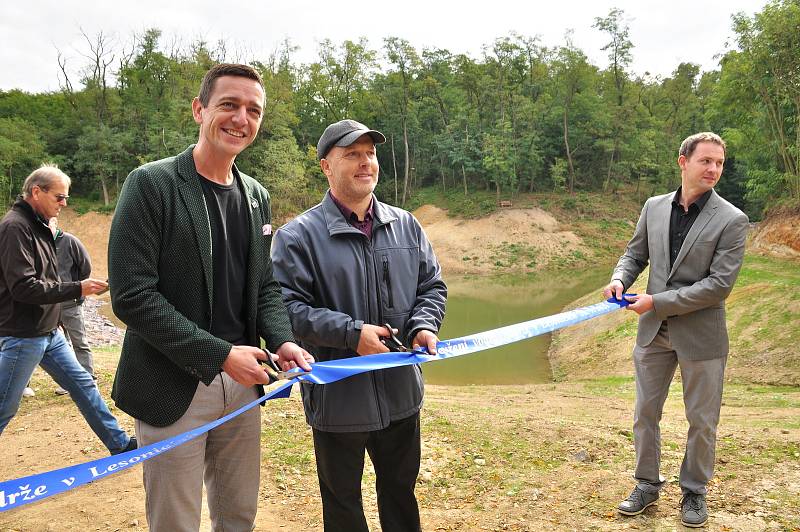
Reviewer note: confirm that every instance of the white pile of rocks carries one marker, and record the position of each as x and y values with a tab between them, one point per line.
100	331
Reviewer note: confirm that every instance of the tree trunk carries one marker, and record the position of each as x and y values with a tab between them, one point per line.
406	170
105	191
463	171
569	154
394	164
607	182
443	171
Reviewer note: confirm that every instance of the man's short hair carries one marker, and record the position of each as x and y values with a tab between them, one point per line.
43	177
225	69
690	143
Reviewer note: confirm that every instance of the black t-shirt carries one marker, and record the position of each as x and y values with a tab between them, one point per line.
230	244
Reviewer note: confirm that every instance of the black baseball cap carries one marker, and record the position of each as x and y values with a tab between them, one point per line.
344	133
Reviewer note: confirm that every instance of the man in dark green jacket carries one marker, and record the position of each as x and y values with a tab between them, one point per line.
191	276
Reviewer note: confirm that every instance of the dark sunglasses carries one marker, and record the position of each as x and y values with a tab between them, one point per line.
59	197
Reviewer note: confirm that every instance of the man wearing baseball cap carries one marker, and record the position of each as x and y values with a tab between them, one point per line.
350	269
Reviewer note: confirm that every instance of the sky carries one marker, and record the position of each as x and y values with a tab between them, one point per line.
664	34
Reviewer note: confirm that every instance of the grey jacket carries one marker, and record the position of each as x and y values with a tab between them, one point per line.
334	279
73	262
691	295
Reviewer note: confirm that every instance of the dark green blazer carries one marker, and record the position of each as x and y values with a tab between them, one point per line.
159	266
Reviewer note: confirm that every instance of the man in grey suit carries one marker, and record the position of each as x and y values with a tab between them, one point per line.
694	241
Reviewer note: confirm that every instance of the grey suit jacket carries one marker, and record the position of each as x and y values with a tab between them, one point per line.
691	295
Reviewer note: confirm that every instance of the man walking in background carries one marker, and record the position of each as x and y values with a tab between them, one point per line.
347	267
74	264
191	277
694	242
30	297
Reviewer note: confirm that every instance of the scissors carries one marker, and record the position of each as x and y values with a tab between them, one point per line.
276	374
393	342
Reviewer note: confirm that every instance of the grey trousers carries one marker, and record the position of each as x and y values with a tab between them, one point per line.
72	319
228	458
702	398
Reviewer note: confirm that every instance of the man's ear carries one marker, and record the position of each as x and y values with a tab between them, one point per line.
324	166
197	110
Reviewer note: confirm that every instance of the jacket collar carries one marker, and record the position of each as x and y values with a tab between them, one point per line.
26	208
37	223
338	224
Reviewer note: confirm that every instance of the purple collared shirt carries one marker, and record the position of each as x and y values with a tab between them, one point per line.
365	225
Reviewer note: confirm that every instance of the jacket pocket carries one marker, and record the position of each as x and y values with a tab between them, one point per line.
398	270
387	280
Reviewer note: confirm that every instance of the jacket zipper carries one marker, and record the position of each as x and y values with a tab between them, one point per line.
388	280
369	242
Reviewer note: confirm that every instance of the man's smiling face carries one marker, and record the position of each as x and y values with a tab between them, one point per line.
352	171
230	121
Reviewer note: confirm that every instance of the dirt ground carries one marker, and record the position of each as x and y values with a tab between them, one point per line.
779	236
536	457
514	240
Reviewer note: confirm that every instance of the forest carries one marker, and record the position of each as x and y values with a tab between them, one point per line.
523	117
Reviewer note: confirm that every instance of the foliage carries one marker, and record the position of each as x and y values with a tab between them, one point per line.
521	117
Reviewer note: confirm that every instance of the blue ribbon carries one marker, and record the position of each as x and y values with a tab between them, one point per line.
25	490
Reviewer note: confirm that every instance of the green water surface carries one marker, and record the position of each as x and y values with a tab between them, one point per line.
476	305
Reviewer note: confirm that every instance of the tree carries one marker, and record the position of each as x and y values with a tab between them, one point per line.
340	77
404	57
573	76
21	151
769	43
619	58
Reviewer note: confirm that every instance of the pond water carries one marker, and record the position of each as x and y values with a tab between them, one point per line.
477	305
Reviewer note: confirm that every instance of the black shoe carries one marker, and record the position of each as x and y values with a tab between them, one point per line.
637	501
694	512
132	445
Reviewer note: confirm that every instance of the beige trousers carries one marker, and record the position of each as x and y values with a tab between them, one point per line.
227	458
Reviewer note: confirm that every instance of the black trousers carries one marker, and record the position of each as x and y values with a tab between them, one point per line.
395	453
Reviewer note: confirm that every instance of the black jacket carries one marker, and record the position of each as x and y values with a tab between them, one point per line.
335	279
30	288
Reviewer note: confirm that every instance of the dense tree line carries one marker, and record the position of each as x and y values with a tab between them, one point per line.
522	117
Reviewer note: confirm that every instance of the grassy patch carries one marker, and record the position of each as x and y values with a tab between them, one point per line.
771	270
474	205
621	386
760	396
82	205
513	255
626	329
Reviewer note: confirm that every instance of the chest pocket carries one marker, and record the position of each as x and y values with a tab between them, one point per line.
398	272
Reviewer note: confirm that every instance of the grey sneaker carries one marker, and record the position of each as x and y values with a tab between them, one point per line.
61	391
28	392
694	512
637	501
